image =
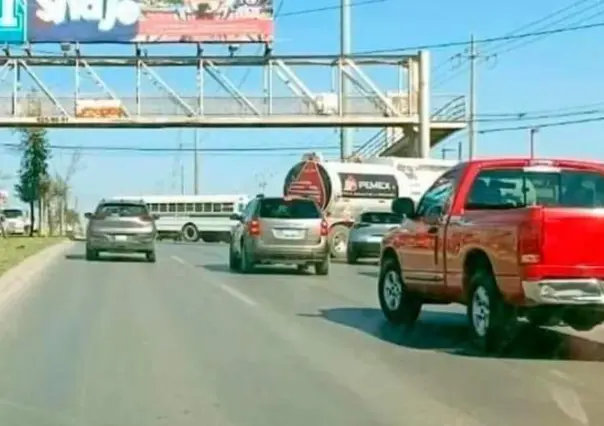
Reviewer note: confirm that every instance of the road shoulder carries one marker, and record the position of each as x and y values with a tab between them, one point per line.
15	281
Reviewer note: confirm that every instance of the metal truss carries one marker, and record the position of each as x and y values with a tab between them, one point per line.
306	105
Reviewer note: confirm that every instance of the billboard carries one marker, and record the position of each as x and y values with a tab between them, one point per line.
144	21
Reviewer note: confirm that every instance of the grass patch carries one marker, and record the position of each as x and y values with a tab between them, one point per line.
14	250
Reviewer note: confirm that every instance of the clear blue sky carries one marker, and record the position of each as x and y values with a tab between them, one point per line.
557	71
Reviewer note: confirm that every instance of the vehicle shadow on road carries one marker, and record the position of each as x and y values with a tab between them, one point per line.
449	333
127	259
258	270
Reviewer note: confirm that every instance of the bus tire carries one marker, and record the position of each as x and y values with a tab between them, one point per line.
190	233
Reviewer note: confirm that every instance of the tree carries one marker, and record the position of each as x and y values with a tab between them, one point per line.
33	173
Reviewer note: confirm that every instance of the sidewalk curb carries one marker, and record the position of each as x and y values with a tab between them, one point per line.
18	279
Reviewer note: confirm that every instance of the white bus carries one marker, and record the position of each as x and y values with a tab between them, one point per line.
194	217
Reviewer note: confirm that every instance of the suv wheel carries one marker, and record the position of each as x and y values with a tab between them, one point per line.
246	263
91	254
151	258
492	320
322	268
398	304
234	262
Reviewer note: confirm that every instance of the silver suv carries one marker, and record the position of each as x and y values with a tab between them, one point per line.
286	230
120	226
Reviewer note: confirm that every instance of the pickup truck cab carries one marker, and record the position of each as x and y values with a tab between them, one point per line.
508	238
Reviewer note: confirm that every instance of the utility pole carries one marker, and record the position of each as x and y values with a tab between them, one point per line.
459	151
195	164
473	56
532	134
345	50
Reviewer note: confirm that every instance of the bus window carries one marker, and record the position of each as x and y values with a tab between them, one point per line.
172	207
163	208
207	207
228	207
190	207
198	208
217	208
180	208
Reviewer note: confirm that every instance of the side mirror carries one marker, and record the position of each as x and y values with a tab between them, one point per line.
155	216
237	217
404	206
88	215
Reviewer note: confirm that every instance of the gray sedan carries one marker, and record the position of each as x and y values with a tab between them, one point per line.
366	234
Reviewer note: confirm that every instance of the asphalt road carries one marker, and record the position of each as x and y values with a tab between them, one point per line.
185	342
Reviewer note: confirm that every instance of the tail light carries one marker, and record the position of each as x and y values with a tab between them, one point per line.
324	228
253	227
530	239
360	225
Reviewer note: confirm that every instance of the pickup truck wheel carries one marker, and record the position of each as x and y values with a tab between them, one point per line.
581	321
492	320
398	304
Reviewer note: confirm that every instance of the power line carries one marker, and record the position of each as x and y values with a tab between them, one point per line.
523	116
569	108
544	125
465	43
328	8
524	27
520	45
531	25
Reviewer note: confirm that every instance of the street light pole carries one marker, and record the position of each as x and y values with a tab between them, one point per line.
532	134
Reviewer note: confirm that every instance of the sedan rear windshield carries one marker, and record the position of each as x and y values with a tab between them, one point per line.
279	208
515	188
122	210
381	218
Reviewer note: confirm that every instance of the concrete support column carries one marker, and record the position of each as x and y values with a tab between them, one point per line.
424	104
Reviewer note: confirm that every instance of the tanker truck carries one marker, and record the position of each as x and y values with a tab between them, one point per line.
345	190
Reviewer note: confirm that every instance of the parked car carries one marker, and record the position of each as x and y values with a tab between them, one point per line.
365	238
282	230
505	237
121	226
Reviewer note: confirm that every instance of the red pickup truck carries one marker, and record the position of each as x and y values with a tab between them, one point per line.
508	238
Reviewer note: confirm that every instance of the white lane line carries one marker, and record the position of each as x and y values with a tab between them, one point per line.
227	289
178	259
238	295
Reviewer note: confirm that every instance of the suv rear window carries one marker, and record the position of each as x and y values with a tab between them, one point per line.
513	188
122	209
279	208
381	218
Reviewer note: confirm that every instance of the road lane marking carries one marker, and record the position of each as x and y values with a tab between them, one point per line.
227	289
179	260
237	294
